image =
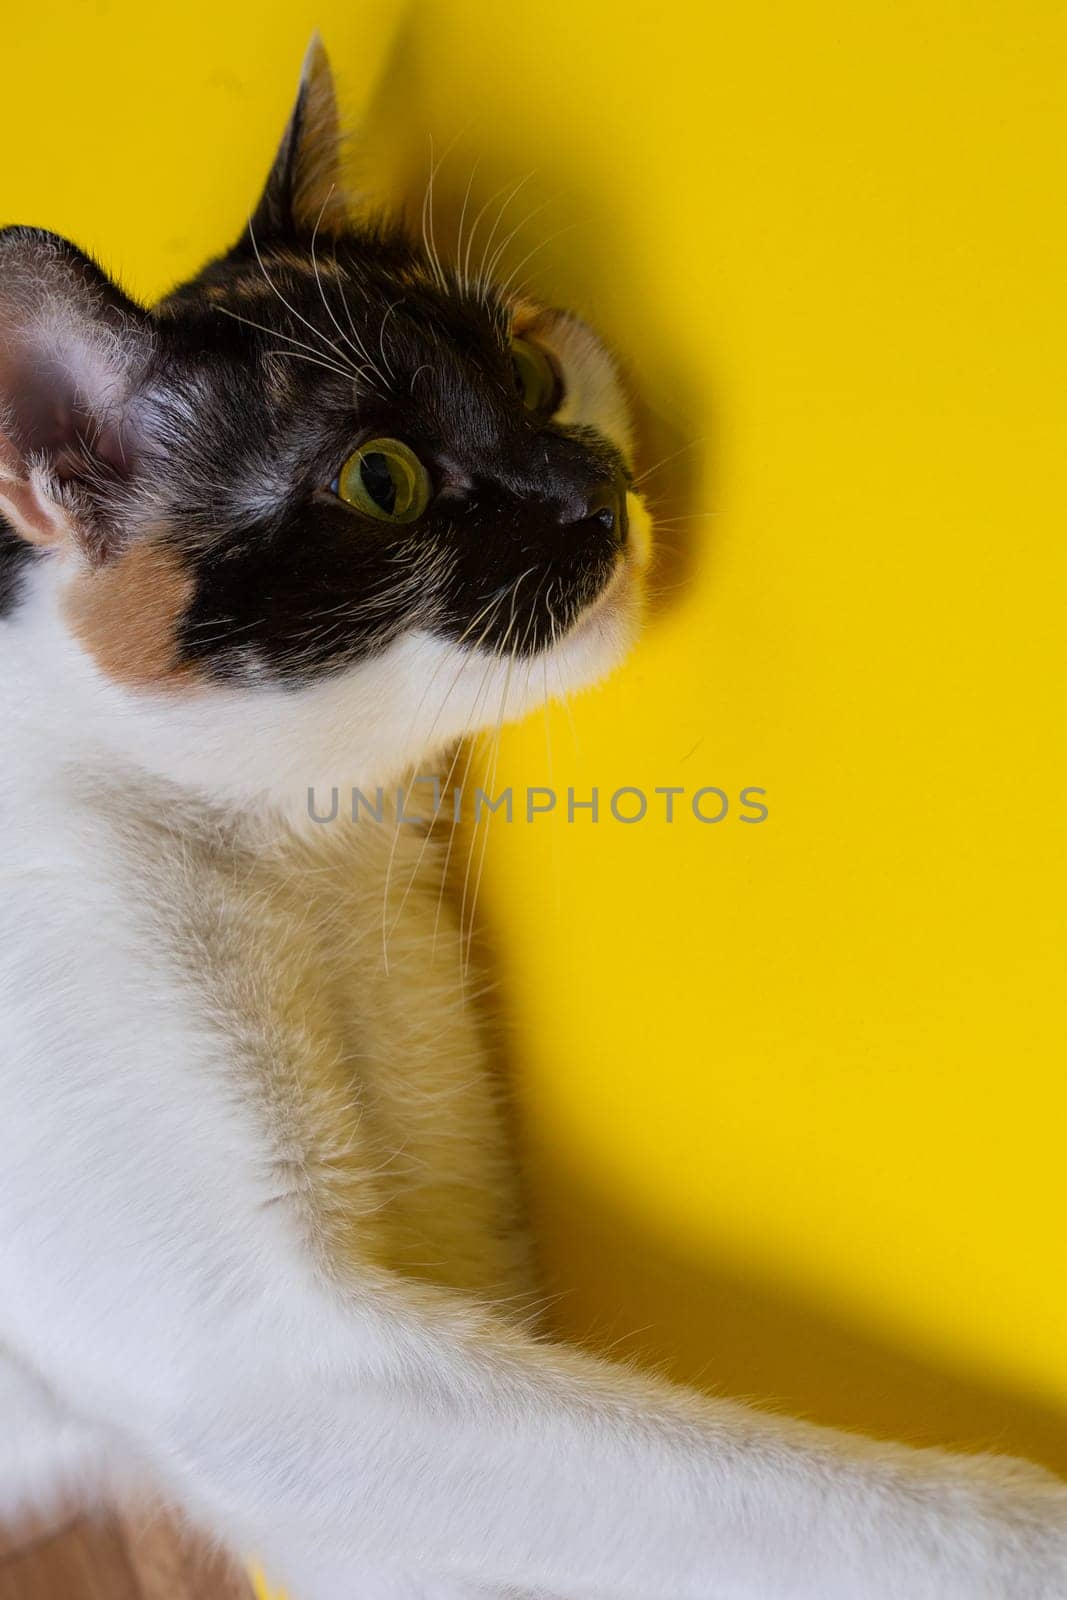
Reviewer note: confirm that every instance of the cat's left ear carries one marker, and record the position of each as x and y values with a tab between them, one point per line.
305	191
74	351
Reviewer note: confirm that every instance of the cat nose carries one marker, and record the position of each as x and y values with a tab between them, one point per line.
604	506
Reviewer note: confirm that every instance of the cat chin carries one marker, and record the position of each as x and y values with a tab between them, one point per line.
250	747
601	637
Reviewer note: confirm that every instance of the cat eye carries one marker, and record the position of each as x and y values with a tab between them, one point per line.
535	377
386	480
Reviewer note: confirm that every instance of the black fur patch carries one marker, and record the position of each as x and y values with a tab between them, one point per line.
15	558
277	365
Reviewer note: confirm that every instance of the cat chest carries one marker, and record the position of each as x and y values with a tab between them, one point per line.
364	1066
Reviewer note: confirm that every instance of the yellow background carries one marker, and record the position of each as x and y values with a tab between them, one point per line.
793	1093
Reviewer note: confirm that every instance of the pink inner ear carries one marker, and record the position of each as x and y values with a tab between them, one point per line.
71	346
52	438
38	420
30	512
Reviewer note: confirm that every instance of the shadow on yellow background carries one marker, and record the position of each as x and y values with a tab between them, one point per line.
643	1296
792	1095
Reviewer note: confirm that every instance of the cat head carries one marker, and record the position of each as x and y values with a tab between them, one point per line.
328	504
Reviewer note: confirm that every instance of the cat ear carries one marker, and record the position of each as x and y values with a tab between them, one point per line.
72	350
305	191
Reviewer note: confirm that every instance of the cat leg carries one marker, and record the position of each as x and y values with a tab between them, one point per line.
49	1460
511	1465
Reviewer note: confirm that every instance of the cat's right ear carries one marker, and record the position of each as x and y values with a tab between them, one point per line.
72	351
305	191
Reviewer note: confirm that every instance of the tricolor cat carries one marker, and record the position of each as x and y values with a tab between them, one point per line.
324	510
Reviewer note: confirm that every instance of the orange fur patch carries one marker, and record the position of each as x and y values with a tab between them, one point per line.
127	614
526	315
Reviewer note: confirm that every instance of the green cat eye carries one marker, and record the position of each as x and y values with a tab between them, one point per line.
384	479
535	376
